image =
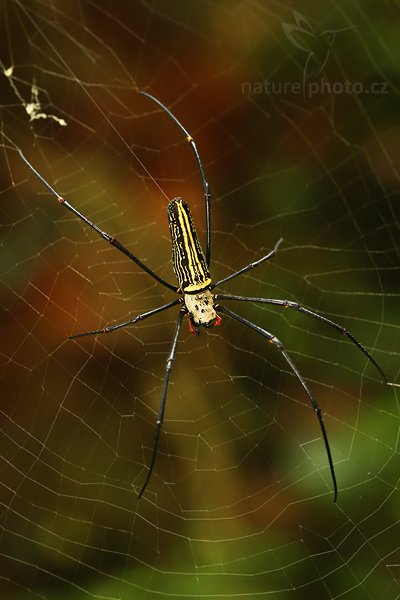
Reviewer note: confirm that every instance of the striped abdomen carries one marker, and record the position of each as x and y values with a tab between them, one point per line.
187	255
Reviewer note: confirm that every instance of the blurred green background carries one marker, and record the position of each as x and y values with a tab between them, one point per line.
240	503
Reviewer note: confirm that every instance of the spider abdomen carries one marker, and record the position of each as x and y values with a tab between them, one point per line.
187	255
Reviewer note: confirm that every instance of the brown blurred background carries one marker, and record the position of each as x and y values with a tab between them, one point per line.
294	108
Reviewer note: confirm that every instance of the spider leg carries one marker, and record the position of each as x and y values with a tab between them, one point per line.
206	187
125	323
310	313
316	407
249	267
112	240
160	419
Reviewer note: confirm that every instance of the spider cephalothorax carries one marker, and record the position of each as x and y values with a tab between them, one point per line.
201	310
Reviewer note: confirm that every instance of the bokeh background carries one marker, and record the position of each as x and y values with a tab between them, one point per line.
240	503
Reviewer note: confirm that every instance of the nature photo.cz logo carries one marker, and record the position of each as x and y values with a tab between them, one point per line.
317	48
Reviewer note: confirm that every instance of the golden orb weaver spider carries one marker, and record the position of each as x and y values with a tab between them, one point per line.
195	292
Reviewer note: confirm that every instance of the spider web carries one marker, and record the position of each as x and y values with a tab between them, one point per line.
240	502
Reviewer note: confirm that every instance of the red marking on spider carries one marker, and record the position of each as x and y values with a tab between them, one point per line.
217	320
195	330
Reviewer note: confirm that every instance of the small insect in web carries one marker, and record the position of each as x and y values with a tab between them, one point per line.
195	292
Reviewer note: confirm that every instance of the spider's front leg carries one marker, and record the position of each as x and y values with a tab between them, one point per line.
161	413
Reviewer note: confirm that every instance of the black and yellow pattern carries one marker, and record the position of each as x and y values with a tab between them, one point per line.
187	255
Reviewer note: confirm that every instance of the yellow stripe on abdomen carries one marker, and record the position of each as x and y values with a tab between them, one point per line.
188	258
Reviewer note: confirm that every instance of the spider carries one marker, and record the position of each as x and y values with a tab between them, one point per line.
196	298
